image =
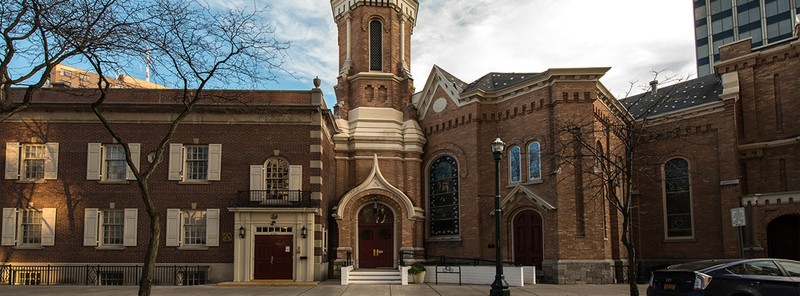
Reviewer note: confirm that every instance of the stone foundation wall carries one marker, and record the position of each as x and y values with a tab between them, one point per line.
582	271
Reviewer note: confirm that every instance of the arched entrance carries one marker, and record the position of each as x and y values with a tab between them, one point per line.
528	245
783	237
375	236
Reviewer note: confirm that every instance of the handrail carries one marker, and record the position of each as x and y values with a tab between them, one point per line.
446	260
276	198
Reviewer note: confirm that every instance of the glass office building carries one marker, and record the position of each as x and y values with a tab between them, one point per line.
719	22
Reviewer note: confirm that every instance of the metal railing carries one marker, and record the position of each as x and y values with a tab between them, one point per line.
276	199
100	275
445	260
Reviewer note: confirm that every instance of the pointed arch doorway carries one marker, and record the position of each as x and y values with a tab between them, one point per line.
528	244
375	236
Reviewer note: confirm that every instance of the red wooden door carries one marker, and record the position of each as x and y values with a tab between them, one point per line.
528	247
375	237
273	257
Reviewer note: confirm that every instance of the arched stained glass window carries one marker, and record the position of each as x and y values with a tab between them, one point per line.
534	161
276	175
514	164
678	201
375	46
443	193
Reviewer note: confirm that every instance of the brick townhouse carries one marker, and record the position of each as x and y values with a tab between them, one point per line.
284	188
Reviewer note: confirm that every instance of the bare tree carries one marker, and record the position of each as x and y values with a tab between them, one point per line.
606	148
195	45
40	34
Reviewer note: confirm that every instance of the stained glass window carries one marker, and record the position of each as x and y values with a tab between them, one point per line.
678	198
534	161
443	193
514	164
375	46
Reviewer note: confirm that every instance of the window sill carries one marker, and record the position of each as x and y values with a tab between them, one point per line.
38	181
113	182
194	182
110	248
680	240
534	181
436	239
193	248
29	247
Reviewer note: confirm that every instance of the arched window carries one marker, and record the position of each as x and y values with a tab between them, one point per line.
443	193
534	161
375	46
276	175
678	201
514	164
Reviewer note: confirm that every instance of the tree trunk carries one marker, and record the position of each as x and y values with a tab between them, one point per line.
146	282
629	247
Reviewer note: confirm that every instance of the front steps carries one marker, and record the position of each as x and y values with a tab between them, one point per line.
375	277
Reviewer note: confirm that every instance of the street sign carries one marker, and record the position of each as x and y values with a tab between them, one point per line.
737	217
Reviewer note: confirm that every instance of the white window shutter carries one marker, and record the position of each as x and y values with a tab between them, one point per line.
51	162
129	230
12	161
9	226
214	162
93	161
135	153
173	227
90	227
175	161
295	177
212	227
48	227
256	177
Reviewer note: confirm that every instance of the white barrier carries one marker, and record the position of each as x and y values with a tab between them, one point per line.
483	275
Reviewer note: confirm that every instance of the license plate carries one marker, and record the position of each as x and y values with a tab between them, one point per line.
669	286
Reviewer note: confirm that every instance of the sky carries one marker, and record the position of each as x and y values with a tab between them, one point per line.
470	38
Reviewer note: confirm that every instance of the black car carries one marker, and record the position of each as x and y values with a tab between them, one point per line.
748	277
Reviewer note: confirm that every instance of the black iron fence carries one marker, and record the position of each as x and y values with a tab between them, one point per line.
100	275
408	257
276	199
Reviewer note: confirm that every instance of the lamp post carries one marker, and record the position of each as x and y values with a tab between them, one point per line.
499	286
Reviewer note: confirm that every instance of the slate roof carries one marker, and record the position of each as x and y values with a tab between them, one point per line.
452	78
675	97
497	81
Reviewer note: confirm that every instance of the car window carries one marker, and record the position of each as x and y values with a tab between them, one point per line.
737	269
791	267
761	268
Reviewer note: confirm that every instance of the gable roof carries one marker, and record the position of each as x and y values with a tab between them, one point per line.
675	97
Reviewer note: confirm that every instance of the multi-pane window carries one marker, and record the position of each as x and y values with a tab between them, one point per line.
443	192
115	164
375	45
33	161
113	227
534	161
194	228
31	226
514	164
196	162
276	175
678	198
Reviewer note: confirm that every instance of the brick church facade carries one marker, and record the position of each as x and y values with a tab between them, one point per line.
284	188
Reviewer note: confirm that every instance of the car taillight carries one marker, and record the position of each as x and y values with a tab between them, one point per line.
701	280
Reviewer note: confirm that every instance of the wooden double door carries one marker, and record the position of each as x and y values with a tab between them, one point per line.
375	237
528	245
273	257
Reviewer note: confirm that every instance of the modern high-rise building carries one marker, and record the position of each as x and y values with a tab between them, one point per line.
719	22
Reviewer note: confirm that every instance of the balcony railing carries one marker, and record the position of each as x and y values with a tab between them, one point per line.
276	199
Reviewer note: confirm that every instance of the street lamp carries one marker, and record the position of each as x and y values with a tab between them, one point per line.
499	286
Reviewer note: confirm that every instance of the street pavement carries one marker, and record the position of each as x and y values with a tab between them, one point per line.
326	288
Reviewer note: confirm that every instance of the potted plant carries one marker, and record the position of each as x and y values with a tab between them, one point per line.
417	271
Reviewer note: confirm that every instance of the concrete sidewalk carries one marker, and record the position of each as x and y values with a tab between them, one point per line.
326	288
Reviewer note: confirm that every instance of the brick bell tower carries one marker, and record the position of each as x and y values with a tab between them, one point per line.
378	152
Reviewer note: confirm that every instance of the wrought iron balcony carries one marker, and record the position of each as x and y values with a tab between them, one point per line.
276	199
